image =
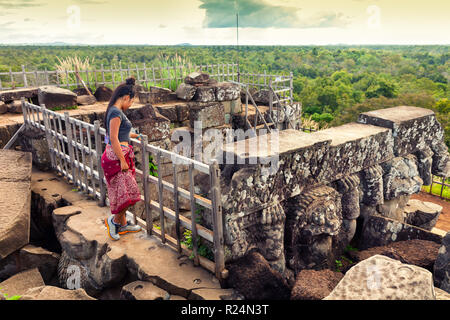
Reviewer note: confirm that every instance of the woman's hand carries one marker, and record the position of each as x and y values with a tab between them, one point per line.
124	165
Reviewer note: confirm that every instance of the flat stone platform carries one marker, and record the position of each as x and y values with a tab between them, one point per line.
15	181
83	236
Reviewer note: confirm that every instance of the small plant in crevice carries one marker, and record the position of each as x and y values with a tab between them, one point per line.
152	167
7	297
340	263
203	249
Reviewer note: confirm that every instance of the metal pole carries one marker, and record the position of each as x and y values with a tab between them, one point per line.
145	172
219	252
99	152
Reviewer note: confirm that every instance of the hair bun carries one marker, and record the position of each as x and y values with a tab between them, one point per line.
131	81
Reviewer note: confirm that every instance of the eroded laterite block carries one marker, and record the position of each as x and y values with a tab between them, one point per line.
210	114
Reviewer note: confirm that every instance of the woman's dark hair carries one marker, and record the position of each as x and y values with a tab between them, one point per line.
124	89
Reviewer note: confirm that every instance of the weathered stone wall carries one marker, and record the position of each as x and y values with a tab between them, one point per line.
304	213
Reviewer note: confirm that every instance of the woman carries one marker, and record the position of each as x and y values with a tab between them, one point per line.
118	161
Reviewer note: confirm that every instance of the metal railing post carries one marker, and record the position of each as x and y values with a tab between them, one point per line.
70	145
145	173
48	136
219	252
99	153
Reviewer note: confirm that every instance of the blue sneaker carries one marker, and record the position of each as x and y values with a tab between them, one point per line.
113	228
129	227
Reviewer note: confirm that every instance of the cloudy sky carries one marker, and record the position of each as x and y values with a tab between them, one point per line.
213	22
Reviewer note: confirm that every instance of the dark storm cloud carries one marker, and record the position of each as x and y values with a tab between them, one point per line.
260	14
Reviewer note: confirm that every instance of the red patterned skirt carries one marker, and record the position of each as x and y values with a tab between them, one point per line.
123	190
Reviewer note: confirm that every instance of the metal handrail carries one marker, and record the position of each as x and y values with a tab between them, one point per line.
82	172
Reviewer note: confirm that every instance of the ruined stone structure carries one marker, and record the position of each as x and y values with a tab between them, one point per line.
327	185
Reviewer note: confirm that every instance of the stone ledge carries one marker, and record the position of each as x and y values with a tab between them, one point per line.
81	230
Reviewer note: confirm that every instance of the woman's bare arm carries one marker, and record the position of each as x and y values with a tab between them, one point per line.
114	125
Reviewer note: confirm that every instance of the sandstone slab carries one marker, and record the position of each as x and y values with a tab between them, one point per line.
30	257
15	181
380	231
143	290
422	214
155	95
3	108
383	278
354	147
15	107
104	263
209	114
55	293
56	97
186	91
86	100
413	129
17	94
196	78
21	282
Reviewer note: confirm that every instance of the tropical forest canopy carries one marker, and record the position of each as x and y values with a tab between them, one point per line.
334	83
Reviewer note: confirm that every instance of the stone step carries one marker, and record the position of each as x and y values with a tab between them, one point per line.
82	233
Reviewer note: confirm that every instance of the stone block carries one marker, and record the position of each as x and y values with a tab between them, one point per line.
182	112
15	173
168	111
186	91
354	147
233	106
381	231
205	94
401	177
210	114
103	93
442	265
86	100
383	278
149	122
54	293
17	94
253	277
422	214
143	290
3	107
412	128
196	78
15	107
277	165
21	282
227	91
56	97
